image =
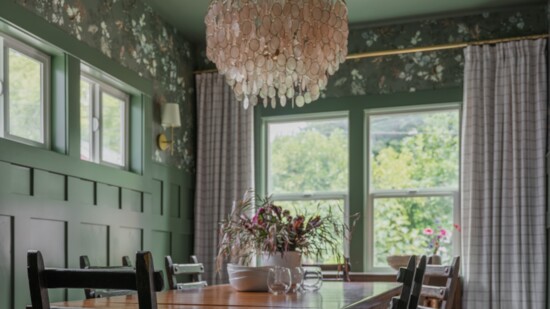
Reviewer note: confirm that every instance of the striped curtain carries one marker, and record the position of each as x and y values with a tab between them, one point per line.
224	164
503	176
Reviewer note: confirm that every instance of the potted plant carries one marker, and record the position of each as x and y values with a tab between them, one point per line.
278	236
434	238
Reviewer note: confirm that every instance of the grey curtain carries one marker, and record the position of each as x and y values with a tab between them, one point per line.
224	164
503	176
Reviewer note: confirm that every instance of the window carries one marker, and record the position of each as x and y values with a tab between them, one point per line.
307	165
103	123
413	182
24	92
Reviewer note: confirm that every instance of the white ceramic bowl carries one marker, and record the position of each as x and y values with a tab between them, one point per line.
246	278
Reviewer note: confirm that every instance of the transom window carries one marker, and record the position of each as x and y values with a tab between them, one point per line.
24	92
307	166
103	122
413	181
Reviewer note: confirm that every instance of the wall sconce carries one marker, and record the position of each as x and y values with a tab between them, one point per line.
170	118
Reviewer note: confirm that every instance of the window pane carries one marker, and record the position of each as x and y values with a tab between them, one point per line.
322	208
415	150
308	156
25	97
112	132
85	116
399	225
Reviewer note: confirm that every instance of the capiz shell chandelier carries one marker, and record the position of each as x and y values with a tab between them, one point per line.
277	50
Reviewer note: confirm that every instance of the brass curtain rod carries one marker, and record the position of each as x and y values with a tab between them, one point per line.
392	52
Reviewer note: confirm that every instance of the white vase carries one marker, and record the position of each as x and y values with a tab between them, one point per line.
289	259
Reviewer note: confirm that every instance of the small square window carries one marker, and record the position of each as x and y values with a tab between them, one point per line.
25	81
103	123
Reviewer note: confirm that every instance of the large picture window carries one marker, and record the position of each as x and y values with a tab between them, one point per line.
24	92
103	123
307	166
413	183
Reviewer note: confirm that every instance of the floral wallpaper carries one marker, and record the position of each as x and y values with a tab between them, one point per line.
129	32
422	70
425	70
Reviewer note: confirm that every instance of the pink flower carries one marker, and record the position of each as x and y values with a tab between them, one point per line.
457	227
443	232
428	231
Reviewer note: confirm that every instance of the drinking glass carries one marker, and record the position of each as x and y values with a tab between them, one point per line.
313	278
279	280
297	275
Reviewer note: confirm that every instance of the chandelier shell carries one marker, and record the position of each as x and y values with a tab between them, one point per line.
277	50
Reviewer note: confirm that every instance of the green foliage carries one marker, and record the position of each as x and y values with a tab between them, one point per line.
424	156
414	151
85	116
314	159
112	131
323	208
25	93
274	229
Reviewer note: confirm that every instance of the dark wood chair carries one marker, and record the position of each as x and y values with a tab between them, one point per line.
406	277
417	283
193	269
144	279
335	272
444	295
97	293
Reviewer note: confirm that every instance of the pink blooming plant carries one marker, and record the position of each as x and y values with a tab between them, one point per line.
435	237
258	225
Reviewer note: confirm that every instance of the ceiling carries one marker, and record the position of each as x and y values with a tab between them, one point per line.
188	15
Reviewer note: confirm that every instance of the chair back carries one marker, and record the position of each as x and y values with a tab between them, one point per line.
335	271
406	277
143	279
192	269
417	283
93	293
444	294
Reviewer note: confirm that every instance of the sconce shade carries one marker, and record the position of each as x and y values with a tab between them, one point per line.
171	115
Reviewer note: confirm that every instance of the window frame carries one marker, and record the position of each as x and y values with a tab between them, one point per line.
306	196
6	43
372	194
100	87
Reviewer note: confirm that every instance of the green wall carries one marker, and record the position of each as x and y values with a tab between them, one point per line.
52	201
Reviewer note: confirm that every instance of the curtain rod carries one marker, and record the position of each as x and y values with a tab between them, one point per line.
392	52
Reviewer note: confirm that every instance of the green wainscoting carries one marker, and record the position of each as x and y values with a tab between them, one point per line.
52	201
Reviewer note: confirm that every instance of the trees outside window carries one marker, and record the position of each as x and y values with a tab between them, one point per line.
307	166
413	183
103	123
24	92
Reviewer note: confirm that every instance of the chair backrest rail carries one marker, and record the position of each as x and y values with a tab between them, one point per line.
438	271
90	278
180	269
439	292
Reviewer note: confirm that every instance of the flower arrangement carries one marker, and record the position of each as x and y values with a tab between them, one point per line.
437	236
272	229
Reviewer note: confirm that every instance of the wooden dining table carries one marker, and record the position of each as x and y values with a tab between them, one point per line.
332	295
